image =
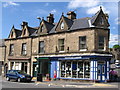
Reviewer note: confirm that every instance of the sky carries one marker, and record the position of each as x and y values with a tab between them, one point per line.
13	13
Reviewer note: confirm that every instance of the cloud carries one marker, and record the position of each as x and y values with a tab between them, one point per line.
93	10
82	3
113	39
117	20
53	11
92	6
10	3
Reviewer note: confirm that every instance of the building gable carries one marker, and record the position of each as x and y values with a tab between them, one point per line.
100	19
25	32
12	33
42	29
63	25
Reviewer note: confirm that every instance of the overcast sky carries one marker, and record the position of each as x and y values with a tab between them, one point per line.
13	13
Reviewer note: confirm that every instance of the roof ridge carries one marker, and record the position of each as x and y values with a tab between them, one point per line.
83	18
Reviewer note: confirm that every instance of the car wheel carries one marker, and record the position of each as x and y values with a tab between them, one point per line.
19	80
8	79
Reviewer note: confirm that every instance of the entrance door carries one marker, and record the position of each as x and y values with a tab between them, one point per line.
34	69
101	72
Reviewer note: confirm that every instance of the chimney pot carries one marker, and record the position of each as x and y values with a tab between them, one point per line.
50	18
71	15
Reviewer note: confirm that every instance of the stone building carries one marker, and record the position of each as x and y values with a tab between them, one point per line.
116	56
71	48
2	56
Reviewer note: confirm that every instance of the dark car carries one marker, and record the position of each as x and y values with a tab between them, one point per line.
18	75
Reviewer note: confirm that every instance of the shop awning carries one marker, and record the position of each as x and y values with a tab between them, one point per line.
41	58
73	58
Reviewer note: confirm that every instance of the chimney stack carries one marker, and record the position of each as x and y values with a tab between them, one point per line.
50	18
71	15
24	24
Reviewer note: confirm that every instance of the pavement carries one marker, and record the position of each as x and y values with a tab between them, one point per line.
77	84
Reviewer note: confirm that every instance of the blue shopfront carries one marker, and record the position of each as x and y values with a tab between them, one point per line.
93	67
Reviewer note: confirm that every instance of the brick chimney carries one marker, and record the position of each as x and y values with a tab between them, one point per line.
24	24
71	15
50	18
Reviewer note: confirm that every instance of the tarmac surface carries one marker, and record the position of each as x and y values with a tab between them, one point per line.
56	84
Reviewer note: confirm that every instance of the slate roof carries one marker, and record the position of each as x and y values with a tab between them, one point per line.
31	30
18	32
80	23
75	24
68	21
93	18
48	25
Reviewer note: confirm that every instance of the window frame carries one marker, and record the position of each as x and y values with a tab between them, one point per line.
24	49
41	48
62	26
81	42
42	28
61	45
11	51
101	42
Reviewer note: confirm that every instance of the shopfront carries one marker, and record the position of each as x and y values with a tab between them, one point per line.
95	68
19	64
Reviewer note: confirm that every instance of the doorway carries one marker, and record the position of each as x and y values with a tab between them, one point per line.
101	71
34	69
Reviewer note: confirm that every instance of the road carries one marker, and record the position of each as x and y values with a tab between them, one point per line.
58	84
13	84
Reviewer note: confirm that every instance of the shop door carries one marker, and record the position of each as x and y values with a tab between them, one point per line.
34	69
101	72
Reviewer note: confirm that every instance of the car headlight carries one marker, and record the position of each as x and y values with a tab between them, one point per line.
22	76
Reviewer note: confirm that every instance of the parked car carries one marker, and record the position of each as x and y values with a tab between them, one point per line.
18	75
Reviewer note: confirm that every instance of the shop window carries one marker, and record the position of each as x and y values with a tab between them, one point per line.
101	42
24	66
11	52
75	69
12	66
86	70
80	70
61	44
68	69
63	69
82	42
41	46
24	49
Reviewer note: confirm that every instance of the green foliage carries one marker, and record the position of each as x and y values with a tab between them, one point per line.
116	46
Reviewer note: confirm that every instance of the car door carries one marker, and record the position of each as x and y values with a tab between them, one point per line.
13	74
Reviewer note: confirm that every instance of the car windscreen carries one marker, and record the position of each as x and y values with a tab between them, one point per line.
22	72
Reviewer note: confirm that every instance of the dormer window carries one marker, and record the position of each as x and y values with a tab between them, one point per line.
42	28
62	25
101	21
24	32
12	35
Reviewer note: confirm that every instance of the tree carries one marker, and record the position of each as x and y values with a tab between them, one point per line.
116	46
